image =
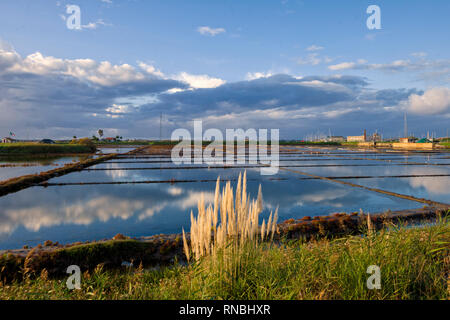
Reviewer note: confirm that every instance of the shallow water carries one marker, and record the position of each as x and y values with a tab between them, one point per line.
75	212
16	167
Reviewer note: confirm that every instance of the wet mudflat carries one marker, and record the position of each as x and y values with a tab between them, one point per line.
150	201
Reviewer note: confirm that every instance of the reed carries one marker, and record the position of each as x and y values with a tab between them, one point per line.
239	222
230	244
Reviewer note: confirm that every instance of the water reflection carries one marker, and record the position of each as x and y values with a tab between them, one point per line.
93	212
74	213
17	166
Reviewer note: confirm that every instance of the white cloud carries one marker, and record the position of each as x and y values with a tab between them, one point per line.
314	48
103	73
342	66
257	75
115	108
311	59
205	30
433	101
330	86
95	25
397	65
199	81
151	70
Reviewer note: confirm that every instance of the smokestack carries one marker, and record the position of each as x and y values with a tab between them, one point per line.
365	135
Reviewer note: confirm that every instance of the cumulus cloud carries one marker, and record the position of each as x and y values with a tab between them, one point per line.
433	101
102	73
205	30
199	81
258	75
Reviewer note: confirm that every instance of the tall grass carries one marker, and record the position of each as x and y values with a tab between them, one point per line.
231	244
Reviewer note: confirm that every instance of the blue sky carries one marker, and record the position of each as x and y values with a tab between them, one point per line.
224	60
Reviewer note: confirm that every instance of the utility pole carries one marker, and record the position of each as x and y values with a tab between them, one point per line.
160	127
406	127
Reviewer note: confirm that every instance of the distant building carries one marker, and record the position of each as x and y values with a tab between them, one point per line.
407	140
362	138
376	137
336	139
8	140
109	139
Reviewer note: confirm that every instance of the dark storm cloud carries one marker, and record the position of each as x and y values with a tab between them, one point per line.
394	96
264	93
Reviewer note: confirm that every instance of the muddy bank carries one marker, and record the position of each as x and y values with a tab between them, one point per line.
165	249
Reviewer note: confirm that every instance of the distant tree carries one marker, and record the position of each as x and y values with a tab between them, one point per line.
100	133
94	138
74	137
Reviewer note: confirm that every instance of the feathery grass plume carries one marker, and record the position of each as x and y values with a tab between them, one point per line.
239	223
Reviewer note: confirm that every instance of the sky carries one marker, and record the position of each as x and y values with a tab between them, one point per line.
304	67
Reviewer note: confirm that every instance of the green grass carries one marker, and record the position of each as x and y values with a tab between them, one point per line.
445	144
351	143
414	262
37	148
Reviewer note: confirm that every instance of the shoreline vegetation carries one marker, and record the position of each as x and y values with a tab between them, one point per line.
414	263
34	148
81	146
